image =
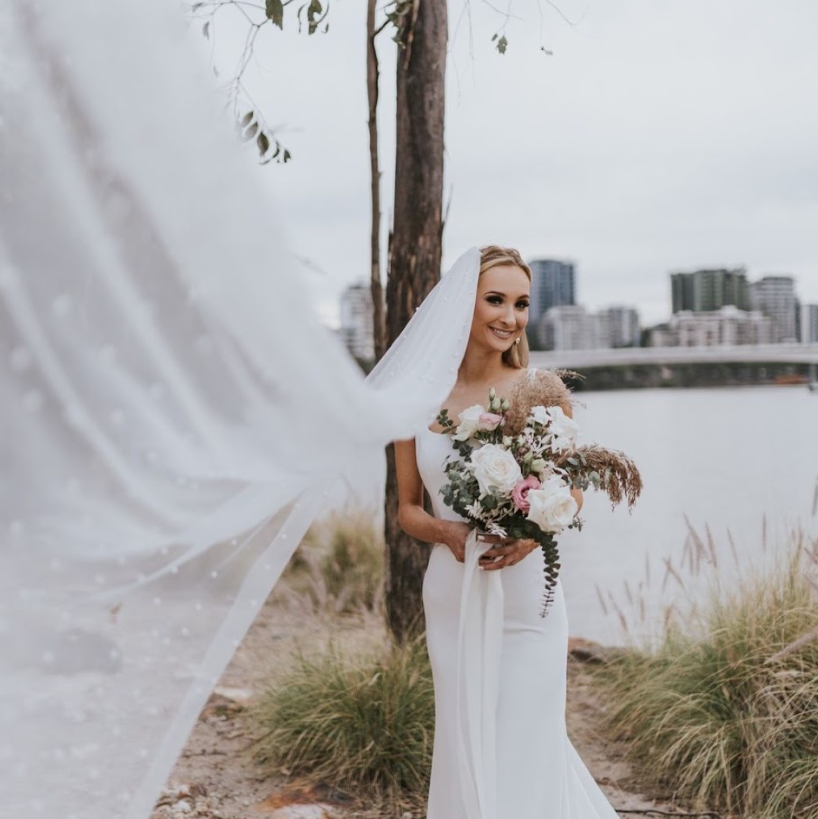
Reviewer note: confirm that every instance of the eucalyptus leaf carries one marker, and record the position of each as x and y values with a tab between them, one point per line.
274	9
263	143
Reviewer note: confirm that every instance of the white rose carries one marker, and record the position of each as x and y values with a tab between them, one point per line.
540	414
495	467
552	507
563	428
469	419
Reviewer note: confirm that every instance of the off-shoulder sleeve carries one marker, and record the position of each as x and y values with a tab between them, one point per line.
543	387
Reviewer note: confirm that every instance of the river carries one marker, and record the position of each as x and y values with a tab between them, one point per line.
726	458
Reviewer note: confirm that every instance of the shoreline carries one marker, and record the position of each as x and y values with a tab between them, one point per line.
214	779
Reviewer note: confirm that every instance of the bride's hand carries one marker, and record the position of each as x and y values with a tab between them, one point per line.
507	552
456	535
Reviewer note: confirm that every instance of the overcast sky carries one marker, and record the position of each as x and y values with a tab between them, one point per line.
659	135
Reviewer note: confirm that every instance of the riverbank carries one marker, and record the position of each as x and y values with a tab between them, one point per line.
215	779
701	374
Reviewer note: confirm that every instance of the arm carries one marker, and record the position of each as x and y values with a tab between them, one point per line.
412	517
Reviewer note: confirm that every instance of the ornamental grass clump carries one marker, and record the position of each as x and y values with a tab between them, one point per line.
724	710
357	721
339	567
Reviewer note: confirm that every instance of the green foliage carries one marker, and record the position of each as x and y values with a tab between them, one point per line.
252	129
725	710
360	721
340	565
274	9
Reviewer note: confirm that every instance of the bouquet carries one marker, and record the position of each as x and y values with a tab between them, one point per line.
519	486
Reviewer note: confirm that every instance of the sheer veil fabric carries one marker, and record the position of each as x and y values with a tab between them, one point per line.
173	417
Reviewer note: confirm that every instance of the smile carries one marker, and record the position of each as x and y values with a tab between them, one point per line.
504	334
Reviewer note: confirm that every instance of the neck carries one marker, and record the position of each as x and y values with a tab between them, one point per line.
480	365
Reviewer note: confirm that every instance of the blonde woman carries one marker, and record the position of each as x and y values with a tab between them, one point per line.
501	750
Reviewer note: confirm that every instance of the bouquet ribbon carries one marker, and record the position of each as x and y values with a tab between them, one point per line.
479	646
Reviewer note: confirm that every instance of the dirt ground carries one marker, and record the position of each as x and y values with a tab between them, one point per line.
215	779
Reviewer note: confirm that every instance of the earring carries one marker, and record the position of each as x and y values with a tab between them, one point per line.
517	340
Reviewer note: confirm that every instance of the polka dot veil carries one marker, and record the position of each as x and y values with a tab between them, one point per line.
173	415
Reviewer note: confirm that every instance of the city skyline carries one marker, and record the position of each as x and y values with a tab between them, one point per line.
617	150
575	278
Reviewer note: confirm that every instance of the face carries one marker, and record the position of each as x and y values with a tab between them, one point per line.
501	310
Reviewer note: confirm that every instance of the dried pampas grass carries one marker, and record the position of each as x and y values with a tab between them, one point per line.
619	476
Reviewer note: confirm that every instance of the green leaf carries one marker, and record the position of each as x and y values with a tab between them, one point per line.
313	10
250	132
246	119
502	44
263	143
274	9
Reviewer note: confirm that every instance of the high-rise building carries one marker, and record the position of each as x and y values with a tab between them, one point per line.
552	284
775	297
571	327
623	325
809	324
706	290
357	326
712	328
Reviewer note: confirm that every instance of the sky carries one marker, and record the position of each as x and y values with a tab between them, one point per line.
657	135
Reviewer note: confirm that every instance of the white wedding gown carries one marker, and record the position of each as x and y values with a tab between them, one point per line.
501	750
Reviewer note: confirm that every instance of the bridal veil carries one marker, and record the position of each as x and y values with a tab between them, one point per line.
172	416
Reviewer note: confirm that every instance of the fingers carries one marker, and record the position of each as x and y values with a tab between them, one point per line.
485	538
500	551
500	560
491	566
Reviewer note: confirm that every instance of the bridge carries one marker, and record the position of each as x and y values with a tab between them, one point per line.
629	356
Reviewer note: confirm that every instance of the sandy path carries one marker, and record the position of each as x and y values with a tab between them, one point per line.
215	779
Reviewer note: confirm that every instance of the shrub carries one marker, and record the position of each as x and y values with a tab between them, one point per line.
360	720
725	709
340	564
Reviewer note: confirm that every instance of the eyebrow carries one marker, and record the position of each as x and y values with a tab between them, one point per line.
501	293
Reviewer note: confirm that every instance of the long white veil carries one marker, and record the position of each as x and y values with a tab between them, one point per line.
172	416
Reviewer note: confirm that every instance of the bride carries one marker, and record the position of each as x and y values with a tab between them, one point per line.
501	750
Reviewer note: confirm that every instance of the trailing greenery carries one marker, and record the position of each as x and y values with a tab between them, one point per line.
352	720
340	564
725	710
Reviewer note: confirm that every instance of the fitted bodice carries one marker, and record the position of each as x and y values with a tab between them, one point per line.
431	450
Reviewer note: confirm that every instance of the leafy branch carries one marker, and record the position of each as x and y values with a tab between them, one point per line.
311	14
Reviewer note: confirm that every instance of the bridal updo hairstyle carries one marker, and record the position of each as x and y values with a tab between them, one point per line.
492	256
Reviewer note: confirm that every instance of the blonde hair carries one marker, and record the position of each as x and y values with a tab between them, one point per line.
493	256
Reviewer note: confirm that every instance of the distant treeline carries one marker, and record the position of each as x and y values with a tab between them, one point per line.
703	374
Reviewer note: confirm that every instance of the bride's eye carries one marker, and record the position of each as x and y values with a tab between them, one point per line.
494	299
522	305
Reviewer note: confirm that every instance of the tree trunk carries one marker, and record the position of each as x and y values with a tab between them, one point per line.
414	257
378	318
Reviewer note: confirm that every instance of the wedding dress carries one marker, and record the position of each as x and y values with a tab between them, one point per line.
501	750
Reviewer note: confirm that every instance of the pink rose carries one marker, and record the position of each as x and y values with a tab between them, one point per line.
489	421
520	492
